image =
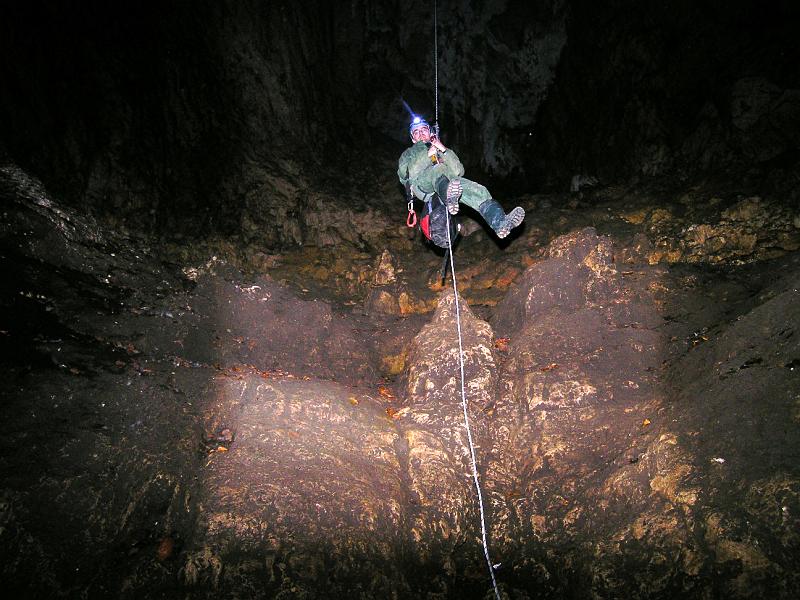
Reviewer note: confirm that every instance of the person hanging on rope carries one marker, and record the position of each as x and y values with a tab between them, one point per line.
428	168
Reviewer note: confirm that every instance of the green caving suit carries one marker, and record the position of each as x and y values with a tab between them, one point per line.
416	169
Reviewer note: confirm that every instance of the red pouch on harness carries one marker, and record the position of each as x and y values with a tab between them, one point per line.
433	222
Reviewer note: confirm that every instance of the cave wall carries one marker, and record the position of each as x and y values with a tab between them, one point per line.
497	60
149	112
196	116
235	115
686	88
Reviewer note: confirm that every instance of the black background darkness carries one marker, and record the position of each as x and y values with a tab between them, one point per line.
157	111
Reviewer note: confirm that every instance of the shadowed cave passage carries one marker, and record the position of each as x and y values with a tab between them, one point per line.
232	371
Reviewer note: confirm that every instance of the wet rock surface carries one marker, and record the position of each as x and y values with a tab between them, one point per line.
208	428
575	413
308	497
432	424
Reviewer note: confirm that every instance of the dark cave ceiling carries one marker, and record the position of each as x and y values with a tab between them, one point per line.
177	109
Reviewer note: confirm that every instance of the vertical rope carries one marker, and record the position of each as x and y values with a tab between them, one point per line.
436	64
466	416
458	319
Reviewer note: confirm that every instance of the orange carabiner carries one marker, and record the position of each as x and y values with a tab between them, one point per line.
411	220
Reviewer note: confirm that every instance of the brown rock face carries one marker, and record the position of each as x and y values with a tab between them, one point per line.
576	388
233	440
312	474
439	464
316	473
751	229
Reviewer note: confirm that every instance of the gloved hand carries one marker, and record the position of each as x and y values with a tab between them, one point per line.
435	143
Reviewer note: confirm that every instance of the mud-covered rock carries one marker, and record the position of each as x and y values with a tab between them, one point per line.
577	386
733	412
385	270
262	323
187	429
96	473
575	273
597	466
439	463
750	229
383	296
308	496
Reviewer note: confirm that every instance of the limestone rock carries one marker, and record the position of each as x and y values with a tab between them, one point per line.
579	270
439	466
570	424
625	448
751	229
323	481
263	320
751	99
385	269
381	301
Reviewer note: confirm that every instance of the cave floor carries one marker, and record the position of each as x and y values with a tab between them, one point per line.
156	410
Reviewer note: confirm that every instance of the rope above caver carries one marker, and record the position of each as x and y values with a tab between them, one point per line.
436	67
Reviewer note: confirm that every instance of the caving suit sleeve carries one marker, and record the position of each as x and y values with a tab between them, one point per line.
403	168
412	167
452	164
416	169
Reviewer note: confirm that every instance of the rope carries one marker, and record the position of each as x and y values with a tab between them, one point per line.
458	317
436	65
466	416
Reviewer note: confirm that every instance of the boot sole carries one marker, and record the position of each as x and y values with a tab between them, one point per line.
514	218
453	194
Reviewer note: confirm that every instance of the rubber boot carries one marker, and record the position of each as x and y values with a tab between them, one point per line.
449	192
495	216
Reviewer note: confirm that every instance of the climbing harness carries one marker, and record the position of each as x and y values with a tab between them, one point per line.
466	423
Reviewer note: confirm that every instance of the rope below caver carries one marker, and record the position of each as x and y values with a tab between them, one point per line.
466	416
